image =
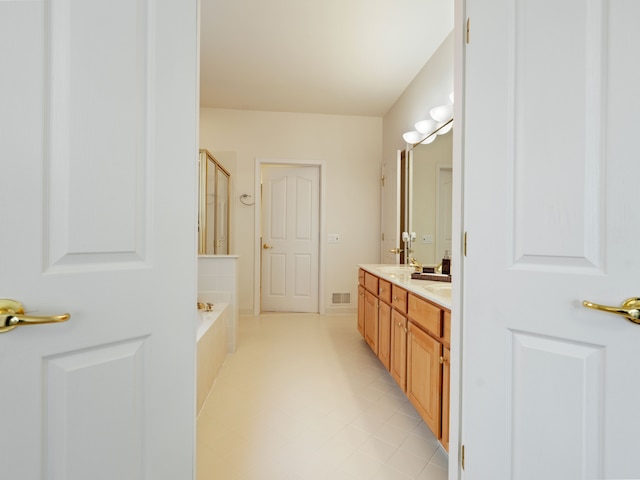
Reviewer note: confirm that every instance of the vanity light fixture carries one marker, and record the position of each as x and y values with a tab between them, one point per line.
426	126
426	130
442	113
429	139
412	137
445	128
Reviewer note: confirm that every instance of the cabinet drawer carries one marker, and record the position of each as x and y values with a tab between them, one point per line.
446	327
425	315
384	291
399	298
371	283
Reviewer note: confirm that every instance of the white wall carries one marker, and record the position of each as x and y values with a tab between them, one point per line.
351	148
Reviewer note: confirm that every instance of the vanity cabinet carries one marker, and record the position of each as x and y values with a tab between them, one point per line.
444	415
398	367
361	309
428	343
384	334
424	376
411	337
370	310
371	320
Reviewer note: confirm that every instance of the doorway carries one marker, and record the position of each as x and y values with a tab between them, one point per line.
289	253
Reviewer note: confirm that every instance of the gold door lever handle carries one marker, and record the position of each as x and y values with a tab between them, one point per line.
12	315
630	308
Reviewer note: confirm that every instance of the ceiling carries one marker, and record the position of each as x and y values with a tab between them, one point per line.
345	57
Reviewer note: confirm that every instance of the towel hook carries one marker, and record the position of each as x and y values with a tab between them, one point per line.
243	197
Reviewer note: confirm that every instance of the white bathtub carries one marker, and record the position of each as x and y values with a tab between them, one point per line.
212	349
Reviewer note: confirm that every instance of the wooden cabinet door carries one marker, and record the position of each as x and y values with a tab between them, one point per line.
444	437
384	334
371	320
399	348
361	309
424	376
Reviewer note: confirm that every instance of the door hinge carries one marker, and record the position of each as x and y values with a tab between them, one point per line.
462	456
383	236
468	27
382	180
464	244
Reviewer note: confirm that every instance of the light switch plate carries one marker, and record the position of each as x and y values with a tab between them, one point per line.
427	239
334	238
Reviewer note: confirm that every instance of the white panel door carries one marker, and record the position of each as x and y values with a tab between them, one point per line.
444	212
390	208
98	117
552	115
290	231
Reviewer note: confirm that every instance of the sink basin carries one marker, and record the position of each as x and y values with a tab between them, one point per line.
396	270
440	289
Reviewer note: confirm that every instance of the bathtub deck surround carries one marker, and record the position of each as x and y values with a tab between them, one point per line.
305	398
211	349
218	283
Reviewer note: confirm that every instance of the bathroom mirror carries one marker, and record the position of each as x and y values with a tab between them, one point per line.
429	197
213	214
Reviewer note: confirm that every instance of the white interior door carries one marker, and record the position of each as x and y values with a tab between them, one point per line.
290	238
98	116
390	208
552	114
444	212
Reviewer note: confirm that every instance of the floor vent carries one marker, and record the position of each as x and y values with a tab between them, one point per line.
340	298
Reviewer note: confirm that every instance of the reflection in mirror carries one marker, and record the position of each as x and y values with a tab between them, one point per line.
213	215
429	213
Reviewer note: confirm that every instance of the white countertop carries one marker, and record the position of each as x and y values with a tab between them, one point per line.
405	281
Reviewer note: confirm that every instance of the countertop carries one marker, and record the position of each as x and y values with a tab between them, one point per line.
404	280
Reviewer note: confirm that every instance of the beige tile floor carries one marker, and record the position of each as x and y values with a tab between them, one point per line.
304	398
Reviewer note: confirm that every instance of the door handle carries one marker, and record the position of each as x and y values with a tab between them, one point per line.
396	250
630	308
266	246
12	315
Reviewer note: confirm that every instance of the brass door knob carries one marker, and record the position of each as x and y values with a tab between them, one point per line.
396	250
266	246
630	308
12	315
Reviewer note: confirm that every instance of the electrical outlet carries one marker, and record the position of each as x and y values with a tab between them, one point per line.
427	239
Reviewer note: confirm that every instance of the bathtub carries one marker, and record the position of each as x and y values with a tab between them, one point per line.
211	349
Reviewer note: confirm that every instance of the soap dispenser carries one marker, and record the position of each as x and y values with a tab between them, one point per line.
446	263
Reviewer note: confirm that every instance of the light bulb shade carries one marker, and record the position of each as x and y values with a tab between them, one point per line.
426	126
442	113
445	129
412	137
429	139
451	97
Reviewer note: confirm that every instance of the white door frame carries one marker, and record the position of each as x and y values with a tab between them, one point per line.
390	224
257	265
458	243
